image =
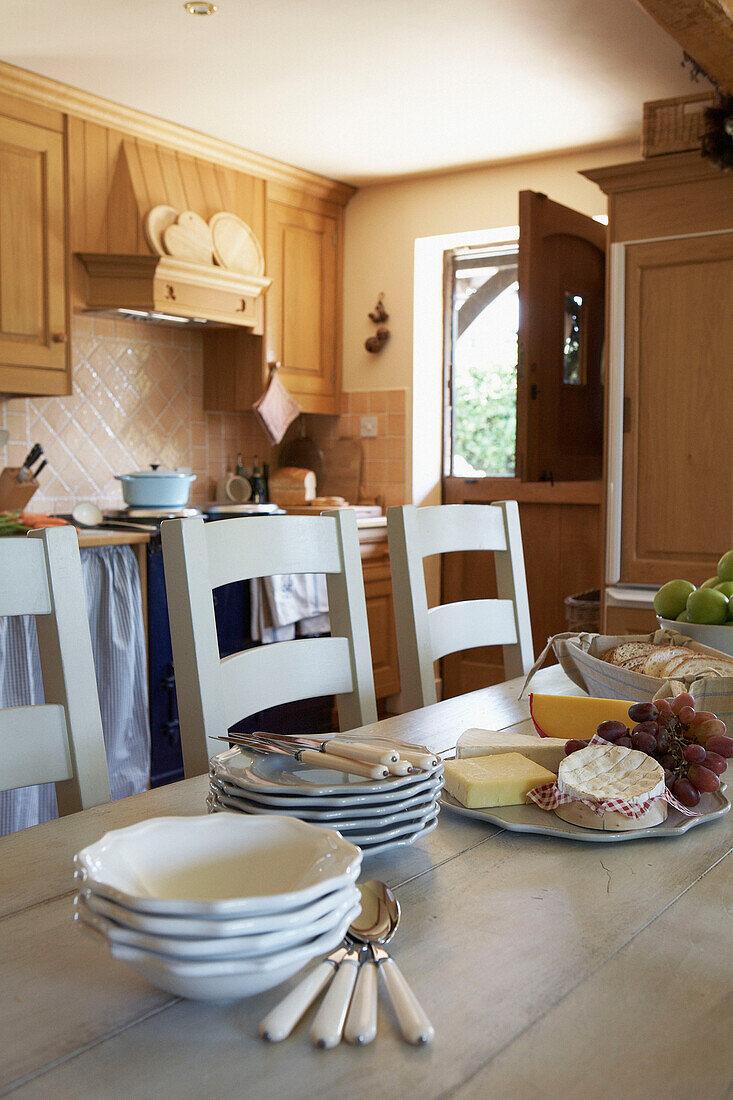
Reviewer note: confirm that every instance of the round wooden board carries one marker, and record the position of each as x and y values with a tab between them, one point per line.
235	246
156	222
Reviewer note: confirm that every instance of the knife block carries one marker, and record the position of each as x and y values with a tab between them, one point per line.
14	494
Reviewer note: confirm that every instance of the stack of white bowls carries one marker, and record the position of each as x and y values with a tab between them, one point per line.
376	814
217	908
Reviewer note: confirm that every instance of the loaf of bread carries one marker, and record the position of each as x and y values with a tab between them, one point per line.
665	662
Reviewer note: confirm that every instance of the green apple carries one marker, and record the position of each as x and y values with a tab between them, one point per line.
726	588
671	599
707	606
682	617
725	566
711	582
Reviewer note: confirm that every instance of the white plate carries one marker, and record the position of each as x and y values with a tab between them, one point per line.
531	819
273	773
230	947
344	818
402	842
220	980
361	837
230	866
354	802
192	928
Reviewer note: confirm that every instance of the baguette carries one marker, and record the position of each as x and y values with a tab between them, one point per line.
656	664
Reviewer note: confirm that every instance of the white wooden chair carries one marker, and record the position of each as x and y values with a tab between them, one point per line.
424	636
61	741
213	694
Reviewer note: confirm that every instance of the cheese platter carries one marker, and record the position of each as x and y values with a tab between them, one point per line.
531	819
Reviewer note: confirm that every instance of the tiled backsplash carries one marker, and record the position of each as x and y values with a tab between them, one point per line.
138	398
138	393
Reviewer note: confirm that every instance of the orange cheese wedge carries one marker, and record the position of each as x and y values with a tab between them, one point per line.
578	716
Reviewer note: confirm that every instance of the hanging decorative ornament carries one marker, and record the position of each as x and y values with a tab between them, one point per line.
379	315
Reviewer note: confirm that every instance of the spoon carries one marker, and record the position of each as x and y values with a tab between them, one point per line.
87	514
375	926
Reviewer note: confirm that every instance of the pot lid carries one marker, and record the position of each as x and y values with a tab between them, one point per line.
160	472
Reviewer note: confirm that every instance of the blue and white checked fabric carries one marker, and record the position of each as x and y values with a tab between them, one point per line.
114	607
289	604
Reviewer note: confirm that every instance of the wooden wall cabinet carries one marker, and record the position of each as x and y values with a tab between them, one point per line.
34	331
670	378
303	309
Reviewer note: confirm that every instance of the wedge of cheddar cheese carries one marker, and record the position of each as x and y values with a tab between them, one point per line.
501	780
578	716
547	751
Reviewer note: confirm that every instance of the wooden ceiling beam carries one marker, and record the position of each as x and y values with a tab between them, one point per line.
704	29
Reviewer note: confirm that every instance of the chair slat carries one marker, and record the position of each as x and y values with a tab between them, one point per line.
297	544
470	623
23	579
448	528
283	673
34	746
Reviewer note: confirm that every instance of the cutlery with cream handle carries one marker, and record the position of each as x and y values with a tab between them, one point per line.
361	1022
328	1024
278	1023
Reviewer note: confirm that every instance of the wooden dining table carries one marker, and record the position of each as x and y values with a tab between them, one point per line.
548	967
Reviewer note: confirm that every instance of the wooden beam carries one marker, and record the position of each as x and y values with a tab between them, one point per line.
704	30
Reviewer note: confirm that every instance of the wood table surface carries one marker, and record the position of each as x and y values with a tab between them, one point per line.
549	968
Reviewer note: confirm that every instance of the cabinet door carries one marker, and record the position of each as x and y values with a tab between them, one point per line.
33	326
302	301
677	512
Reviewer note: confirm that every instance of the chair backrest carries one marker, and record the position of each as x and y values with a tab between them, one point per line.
424	635
61	741
213	694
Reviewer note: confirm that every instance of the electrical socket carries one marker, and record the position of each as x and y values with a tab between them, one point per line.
368	427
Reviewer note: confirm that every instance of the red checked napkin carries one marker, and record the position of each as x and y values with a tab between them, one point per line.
548	797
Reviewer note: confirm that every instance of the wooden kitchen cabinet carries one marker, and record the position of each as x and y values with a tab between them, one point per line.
303	309
670	390
34	332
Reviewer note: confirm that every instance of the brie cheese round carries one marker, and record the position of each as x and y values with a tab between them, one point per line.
601	772
611	771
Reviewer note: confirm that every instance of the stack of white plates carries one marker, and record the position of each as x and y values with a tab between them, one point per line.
375	814
216	908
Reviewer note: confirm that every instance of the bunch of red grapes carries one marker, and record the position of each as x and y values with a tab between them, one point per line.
691	745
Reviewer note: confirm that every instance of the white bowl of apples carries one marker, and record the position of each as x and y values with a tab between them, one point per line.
704	614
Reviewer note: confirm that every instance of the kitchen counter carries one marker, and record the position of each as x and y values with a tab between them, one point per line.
105	537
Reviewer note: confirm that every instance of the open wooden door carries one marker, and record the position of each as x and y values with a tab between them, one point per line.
559	434
561	325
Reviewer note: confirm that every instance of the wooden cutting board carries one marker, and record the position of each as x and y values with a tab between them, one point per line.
342	470
235	246
156	222
189	239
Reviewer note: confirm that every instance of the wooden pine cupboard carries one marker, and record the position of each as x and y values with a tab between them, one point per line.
303	259
670	369
34	330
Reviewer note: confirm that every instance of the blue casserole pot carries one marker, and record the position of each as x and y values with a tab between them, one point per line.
155	488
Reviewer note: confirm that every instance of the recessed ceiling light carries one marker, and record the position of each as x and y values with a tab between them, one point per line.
200	7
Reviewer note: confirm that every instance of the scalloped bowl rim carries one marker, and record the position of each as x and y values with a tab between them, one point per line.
302	862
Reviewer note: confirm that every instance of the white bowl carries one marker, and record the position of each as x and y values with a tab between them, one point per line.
228	947
226	980
716	637
196	928
226	865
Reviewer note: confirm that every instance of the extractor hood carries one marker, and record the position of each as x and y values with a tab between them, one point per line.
133	275
164	289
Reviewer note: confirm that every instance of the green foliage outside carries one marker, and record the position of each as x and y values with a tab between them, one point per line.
485	418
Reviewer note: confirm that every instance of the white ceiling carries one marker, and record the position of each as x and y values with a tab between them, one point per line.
363	89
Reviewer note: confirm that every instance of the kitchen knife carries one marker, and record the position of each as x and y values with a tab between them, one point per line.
33	455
